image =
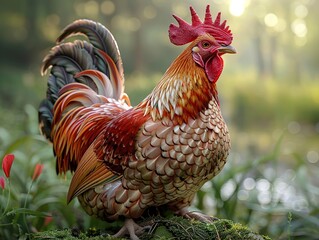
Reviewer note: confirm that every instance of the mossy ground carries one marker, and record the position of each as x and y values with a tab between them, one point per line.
166	228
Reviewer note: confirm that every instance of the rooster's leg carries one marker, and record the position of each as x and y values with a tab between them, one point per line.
131	228
184	212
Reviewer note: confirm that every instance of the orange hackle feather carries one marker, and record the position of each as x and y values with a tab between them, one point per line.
183	91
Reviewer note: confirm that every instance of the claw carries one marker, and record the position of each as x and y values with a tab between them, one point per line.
196	215
131	228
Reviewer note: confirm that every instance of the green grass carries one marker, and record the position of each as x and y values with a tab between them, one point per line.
166	228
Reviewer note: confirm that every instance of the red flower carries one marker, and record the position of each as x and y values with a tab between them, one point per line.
2	182
47	220
7	163
37	171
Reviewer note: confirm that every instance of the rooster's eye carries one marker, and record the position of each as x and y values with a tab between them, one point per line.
205	44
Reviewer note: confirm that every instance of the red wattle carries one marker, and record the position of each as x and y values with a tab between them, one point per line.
214	67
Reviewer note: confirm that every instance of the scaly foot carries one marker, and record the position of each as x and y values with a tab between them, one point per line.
131	228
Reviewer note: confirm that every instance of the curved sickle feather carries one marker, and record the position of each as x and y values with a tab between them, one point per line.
100	37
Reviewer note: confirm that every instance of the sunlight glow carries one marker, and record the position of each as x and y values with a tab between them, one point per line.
271	20
237	7
299	28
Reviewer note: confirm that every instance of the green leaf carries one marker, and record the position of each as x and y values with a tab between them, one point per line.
27	212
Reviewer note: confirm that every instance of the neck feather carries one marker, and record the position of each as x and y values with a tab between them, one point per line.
182	93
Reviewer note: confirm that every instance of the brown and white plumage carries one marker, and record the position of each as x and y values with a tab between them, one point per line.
127	159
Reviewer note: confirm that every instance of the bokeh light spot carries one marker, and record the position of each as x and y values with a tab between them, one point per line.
301	11
149	12
271	20
264	198
299	28
313	156
249	183
294	127
263	185
91	9
107	7
134	24
228	189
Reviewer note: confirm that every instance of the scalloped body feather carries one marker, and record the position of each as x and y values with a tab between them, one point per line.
127	159
171	163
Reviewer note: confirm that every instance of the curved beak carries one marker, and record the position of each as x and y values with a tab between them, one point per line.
227	49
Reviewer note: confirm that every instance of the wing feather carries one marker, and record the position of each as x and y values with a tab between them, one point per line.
90	173
117	144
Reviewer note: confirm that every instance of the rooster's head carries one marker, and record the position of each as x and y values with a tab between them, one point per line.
209	40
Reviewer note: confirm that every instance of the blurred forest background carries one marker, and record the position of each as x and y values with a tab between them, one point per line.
269	97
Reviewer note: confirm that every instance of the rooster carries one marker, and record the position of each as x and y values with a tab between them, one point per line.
128	159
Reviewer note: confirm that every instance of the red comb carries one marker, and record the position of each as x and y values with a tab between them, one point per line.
185	33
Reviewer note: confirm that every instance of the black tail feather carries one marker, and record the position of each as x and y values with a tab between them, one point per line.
68	59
